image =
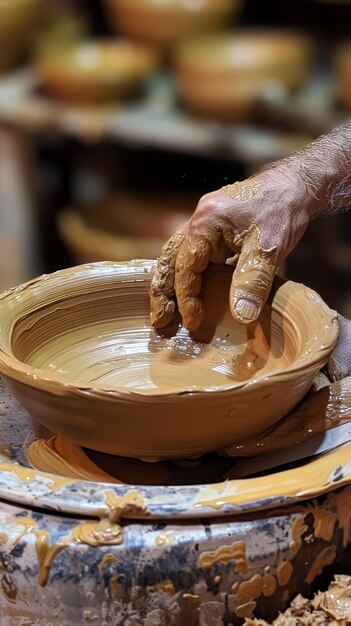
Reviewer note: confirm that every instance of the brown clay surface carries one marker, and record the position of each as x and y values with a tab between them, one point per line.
78	350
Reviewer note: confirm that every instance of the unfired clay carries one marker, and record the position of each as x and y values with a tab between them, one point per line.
77	349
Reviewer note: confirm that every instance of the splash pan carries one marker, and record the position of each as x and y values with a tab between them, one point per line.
77	350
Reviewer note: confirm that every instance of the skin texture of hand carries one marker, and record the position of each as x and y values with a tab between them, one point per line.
260	220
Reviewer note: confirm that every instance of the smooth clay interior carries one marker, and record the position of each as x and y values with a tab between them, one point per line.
78	351
98	333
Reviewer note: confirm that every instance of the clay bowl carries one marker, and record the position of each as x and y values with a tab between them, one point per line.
126	227
221	76
168	22
94	72
77	350
17	20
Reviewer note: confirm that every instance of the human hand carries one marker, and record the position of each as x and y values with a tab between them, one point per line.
260	219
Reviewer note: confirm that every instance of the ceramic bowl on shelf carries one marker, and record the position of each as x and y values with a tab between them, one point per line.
171	21
17	21
128	226
221	76
78	351
96	71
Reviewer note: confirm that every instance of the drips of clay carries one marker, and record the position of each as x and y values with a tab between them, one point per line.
91	352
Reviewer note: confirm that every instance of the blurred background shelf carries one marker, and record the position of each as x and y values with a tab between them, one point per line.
158	122
57	153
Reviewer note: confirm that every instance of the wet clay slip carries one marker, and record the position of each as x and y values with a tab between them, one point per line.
77	349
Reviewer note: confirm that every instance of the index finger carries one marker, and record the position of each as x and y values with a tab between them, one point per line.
162	288
252	278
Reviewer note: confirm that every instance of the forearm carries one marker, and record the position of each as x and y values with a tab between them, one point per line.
324	169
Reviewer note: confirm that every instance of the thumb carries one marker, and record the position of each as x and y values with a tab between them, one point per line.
252	278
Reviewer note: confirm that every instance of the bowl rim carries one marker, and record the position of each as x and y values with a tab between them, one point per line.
13	368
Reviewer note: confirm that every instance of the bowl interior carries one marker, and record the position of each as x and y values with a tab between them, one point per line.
90	326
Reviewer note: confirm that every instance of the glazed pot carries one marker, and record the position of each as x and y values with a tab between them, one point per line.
77	344
94	72
221	76
126	227
17	21
171	21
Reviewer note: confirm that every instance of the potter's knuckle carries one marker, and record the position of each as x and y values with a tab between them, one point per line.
206	205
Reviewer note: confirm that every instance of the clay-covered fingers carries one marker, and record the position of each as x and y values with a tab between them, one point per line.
162	290
252	278
193	257
339	365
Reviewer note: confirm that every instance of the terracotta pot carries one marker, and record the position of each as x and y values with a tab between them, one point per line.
95	71
221	76
128	226
77	349
17	20
171	21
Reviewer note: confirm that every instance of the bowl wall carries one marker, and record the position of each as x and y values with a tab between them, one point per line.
78	351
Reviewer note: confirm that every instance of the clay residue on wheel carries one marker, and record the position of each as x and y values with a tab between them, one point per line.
328	608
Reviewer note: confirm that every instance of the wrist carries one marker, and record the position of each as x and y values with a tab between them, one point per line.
310	185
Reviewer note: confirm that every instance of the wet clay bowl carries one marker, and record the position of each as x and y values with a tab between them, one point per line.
94	72
220	76
77	350
128	226
168	22
17	20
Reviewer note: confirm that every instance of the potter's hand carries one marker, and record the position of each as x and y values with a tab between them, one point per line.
260	219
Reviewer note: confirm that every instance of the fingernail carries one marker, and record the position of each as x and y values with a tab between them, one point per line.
247	310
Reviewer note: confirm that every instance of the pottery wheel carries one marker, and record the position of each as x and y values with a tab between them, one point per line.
112	552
